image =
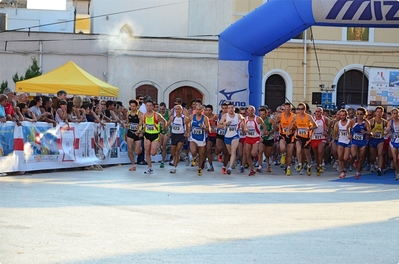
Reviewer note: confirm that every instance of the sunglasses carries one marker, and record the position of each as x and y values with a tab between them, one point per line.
301	108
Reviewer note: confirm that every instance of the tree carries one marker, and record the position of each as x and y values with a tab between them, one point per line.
3	86
32	71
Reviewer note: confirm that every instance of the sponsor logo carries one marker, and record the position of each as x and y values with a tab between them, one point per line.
229	95
367	10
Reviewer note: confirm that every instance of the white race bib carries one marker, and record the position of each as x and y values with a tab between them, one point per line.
197	131
358	136
302	131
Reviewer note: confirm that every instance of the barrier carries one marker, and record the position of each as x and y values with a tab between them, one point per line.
40	146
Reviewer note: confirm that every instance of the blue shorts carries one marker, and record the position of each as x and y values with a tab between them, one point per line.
359	143
342	144
373	142
228	141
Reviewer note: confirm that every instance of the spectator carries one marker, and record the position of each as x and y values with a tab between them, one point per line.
26	113
61	115
35	108
3	102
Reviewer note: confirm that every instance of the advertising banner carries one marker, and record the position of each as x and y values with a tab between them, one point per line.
8	159
233	83
384	87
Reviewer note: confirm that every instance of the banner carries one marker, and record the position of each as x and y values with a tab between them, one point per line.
233	83
383	87
8	159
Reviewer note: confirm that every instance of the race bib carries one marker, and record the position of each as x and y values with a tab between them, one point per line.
302	131
134	126
150	127
317	136
197	131
358	136
232	128
176	128
377	135
221	132
242	134
285	130
343	133
251	132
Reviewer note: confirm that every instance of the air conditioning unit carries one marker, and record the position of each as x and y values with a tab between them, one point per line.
3	22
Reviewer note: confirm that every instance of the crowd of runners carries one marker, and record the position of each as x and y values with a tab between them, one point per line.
246	139
252	140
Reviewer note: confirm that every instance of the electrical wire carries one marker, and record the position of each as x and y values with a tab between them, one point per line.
315	52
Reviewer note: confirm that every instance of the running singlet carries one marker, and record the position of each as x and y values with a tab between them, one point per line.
133	122
178	126
343	132
151	125
303	126
284	124
220	131
394	134
232	129
197	132
377	129
318	133
212	126
357	136
268	127
253	128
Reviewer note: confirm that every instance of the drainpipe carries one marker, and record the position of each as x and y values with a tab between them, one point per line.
40	54
305	39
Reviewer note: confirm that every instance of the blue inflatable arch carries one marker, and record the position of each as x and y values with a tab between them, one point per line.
278	21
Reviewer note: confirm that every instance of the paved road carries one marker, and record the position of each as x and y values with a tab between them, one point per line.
117	216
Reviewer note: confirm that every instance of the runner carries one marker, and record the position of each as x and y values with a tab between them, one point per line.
305	125
393	129
319	138
164	136
179	125
220	145
133	136
286	137
242	156
230	122
376	141
199	124
343	141
252	126
152	129
211	136
359	128
268	137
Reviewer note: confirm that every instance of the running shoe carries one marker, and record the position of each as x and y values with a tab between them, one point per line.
149	171
355	164
321	169
228	171
210	168
220	157
224	170
335	165
379	172
318	171
173	170
252	173
299	167
282	159
162	165
242	169
259	169
357	175
288	171
199	172
268	169
309	171
372	168
350	168
186	161
171	164
194	162
342	175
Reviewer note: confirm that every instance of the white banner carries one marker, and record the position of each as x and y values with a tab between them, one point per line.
383	87
233	83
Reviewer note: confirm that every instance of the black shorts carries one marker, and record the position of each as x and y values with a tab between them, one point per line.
305	142
211	139
131	134
288	140
177	138
221	137
151	137
268	143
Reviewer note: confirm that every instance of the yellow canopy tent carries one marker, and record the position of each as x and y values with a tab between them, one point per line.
71	78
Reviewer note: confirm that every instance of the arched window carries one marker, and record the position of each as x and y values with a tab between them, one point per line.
186	94
275	91
147	89
126	30
349	88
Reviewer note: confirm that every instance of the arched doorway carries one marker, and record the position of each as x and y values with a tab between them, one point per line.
147	89
275	91
186	94
349	88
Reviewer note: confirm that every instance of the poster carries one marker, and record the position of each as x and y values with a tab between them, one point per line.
384	87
